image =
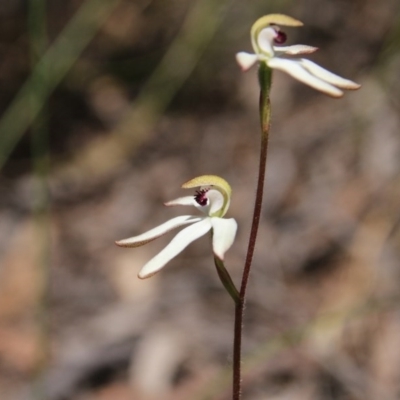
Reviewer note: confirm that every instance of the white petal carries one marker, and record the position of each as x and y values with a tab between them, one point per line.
188	201
295	49
177	244
140	240
328	76
224	232
216	201
265	39
296	70
246	60
182	201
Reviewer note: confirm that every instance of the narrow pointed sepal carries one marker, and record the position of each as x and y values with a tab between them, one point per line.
328	76
152	234
294	50
295	69
176	246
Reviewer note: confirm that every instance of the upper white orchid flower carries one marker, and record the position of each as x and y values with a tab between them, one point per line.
266	37
212	198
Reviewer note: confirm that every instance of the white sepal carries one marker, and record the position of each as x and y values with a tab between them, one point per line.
328	76
294	50
177	244
152	234
224	232
297	71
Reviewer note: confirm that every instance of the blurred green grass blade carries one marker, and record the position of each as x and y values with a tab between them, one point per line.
55	64
201	24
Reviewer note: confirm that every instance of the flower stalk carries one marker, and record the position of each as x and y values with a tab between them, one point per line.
213	195
267	39
265	79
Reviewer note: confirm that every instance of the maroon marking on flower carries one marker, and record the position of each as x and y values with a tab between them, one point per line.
201	197
280	37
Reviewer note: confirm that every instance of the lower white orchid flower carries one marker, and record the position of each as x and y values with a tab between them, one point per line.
213	199
266	37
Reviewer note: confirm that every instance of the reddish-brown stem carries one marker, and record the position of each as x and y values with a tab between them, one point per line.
265	114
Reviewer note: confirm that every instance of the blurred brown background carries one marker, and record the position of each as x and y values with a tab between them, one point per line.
135	98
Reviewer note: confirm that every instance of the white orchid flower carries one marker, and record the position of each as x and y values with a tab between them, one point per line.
266	37
213	200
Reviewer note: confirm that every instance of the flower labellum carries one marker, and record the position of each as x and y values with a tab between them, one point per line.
267	38
212	198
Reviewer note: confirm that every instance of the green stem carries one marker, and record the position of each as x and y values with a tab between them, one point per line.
54	64
226	279
265	75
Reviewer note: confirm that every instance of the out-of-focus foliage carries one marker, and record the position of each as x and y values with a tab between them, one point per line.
138	97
